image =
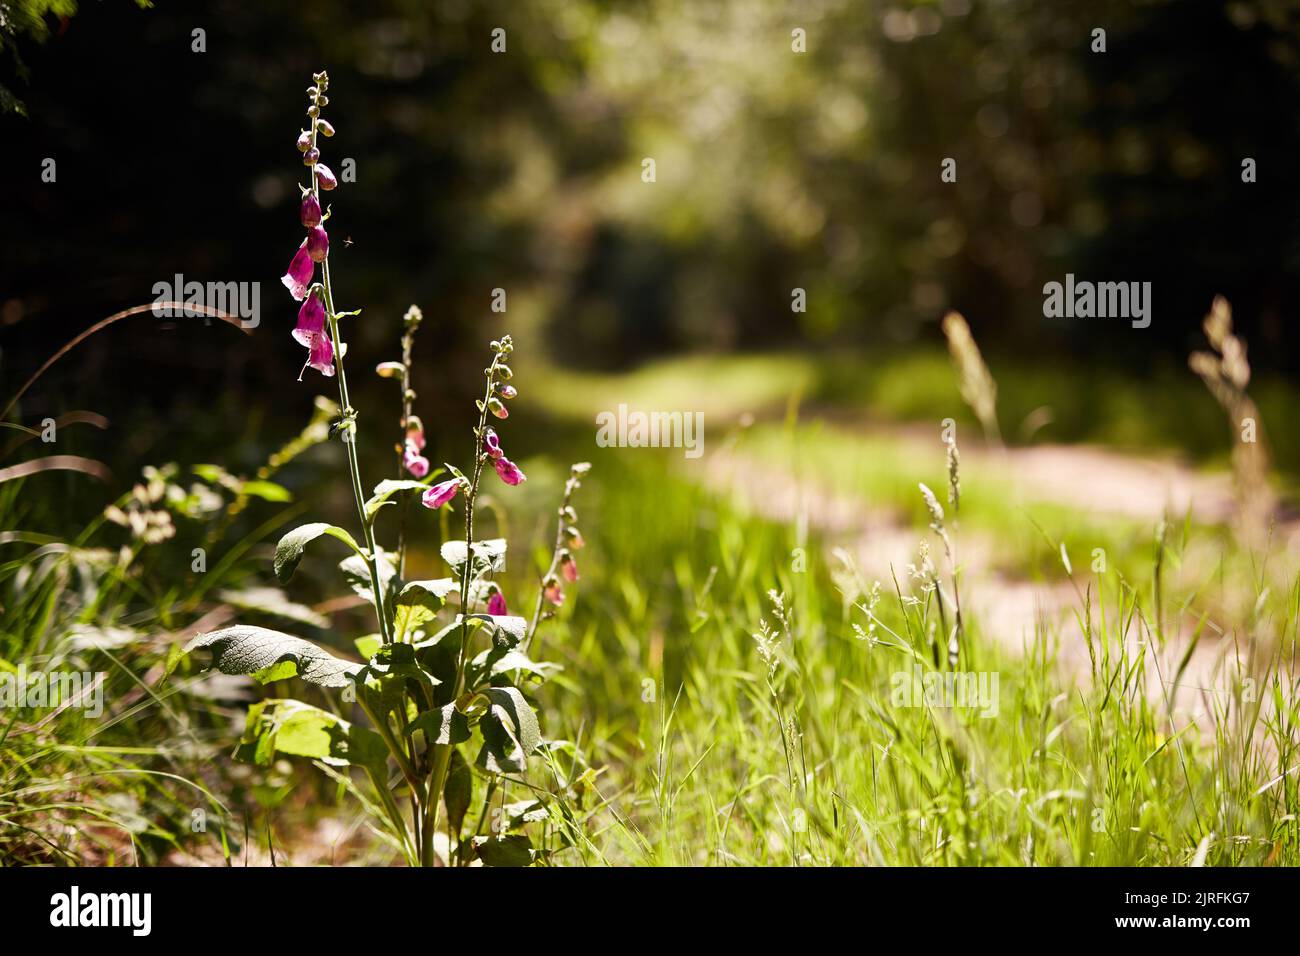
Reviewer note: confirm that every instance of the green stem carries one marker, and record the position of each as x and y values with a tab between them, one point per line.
442	752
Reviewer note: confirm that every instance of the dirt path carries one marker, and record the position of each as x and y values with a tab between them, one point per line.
1009	610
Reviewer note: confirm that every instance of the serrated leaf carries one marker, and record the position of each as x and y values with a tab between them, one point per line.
391	486
244	649
489	555
288	553
514	849
510	731
286	726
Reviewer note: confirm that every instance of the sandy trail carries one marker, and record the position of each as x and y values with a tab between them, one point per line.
1008	610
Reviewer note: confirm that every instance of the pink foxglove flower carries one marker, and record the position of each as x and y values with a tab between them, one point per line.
300	273
569	568
311	333
441	493
415	463
325	176
497	604
321	356
310	211
415	433
497	408
304	141
508	471
318	243
492	445
553	592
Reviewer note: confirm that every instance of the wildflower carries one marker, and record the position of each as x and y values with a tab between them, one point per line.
552	591
415	433
311	157
300	273
324	127
318	243
304	141
492	445
441	493
325	176
321	356
574	538
508	391
311	333
568	567
508	471
310	212
497	408
414	462
497	603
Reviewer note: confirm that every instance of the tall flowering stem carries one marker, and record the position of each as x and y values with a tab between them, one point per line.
567	540
486	447
321	174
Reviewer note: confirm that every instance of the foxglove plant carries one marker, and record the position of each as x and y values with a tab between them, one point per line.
426	687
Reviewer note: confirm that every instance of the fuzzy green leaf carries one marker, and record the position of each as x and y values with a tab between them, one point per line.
288	553
244	649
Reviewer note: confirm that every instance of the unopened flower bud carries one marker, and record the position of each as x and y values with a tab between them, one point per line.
325	176
324	127
389	369
498	409
574	537
504	372
507	391
304	141
311	157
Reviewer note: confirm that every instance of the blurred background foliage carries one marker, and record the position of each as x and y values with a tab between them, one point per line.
521	170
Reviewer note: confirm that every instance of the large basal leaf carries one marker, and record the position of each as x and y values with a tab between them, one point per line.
272	655
288	553
510	731
391	486
285	726
489	555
